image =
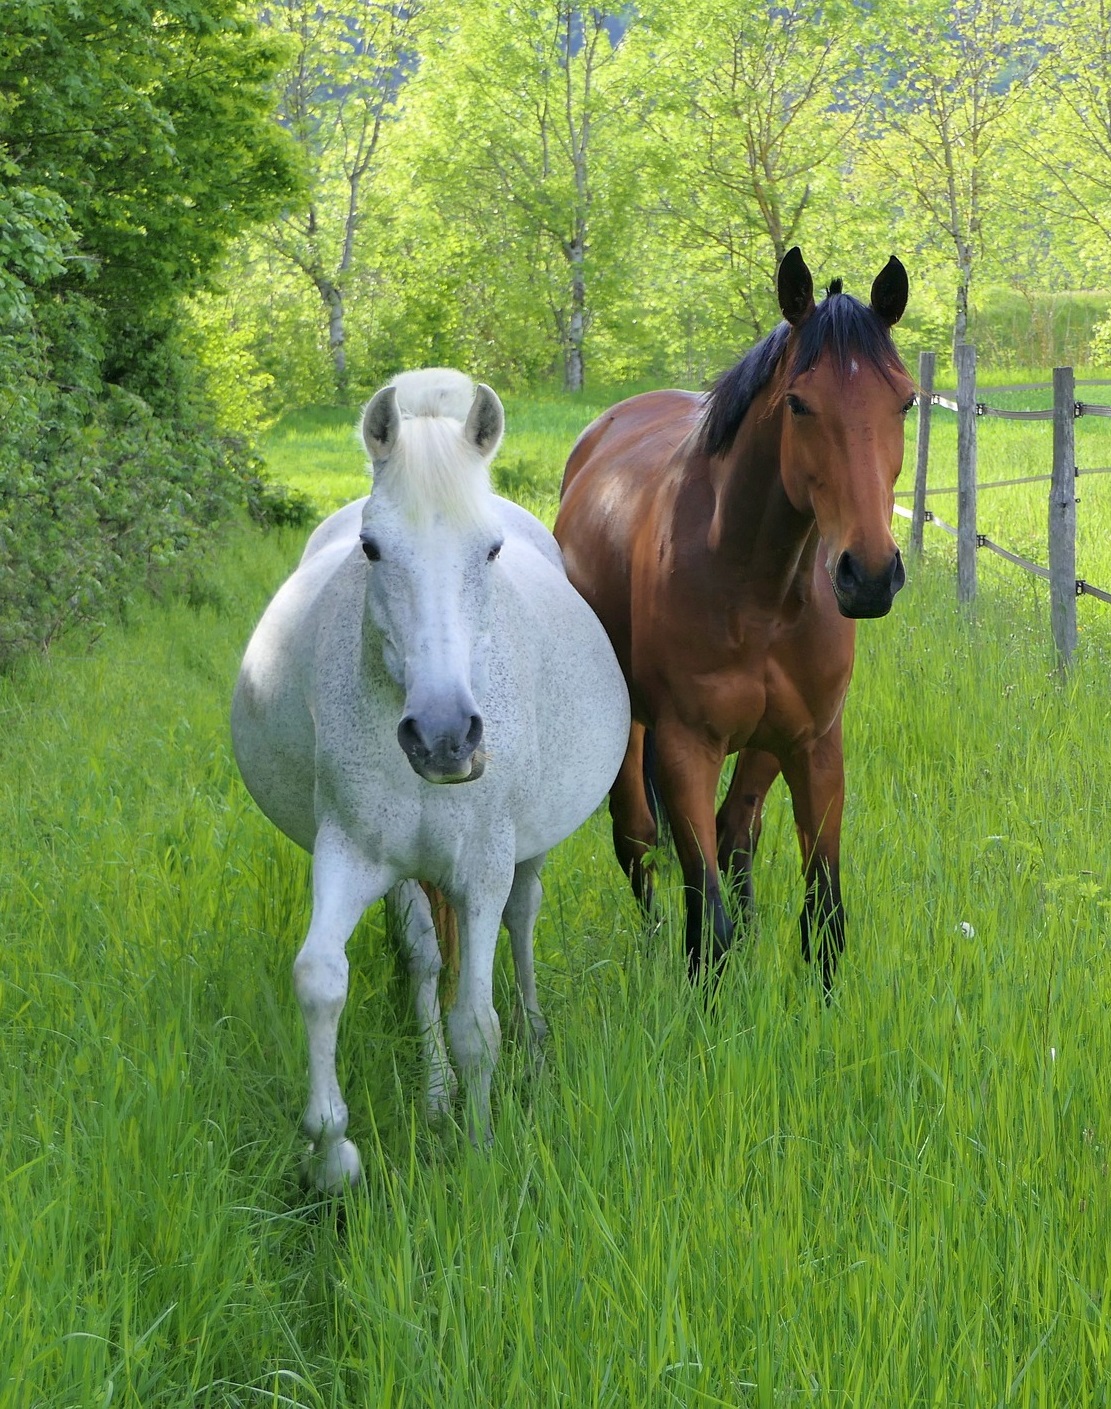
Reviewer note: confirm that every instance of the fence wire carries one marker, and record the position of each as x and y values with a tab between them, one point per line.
1080	408
1002	483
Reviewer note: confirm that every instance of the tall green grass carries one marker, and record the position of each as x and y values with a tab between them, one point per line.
897	1199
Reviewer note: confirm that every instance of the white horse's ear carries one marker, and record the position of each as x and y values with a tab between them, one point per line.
381	423
485	421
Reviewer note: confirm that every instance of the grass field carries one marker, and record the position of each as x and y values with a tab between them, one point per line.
899	1199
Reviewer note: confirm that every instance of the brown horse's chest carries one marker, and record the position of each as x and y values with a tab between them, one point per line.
742	675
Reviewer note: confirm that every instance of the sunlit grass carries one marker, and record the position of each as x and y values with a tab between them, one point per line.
900	1199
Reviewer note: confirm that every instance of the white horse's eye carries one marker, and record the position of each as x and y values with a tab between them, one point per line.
372	551
493	553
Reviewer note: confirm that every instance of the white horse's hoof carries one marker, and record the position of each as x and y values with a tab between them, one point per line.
333	1169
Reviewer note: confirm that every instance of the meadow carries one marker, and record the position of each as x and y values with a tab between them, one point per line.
896	1199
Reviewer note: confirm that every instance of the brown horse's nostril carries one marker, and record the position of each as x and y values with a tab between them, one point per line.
846	575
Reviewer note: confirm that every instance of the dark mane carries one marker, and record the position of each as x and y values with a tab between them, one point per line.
840	325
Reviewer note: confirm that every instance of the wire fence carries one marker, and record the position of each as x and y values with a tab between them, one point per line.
1064	585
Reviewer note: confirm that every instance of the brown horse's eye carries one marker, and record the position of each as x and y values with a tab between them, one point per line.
911	404
796	405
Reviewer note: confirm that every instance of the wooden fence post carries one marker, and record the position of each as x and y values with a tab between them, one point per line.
1062	518
926	362
966	472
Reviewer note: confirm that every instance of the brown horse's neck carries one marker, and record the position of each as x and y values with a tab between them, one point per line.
756	532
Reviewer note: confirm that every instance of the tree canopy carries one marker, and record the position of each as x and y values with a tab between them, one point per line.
566	192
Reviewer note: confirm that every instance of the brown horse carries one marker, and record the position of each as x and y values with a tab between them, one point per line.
727	541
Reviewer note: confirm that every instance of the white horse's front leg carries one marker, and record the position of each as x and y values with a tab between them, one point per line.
343	887
521	910
473	1025
411	916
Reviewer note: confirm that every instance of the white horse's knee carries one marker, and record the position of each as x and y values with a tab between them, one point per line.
320	982
475	1036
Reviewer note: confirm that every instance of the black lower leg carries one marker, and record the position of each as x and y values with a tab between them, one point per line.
736	869
709	931
822	922
630	857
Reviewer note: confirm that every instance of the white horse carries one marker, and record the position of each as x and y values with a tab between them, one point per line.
428	637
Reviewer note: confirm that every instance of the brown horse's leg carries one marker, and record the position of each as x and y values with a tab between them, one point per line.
740	819
689	767
816	778
634	826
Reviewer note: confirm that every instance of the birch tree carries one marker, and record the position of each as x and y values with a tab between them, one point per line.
955	76
339	95
514	102
750	129
1065	134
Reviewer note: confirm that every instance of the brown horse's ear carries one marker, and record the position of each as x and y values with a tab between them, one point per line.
795	288
890	292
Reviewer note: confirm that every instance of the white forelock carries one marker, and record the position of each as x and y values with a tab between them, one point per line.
433	468
434	391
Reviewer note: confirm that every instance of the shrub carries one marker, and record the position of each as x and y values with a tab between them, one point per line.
98	494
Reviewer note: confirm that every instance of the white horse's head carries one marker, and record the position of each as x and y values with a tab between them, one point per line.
431	537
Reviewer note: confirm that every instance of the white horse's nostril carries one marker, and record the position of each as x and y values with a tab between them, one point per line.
440	745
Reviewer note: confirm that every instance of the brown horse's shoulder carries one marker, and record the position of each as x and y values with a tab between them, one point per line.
672	414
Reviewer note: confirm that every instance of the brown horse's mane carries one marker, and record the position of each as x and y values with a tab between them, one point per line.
840	325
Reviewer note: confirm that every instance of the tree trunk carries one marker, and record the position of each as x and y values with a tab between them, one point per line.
573	367
964	284
333	301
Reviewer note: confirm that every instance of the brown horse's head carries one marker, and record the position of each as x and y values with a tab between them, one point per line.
843	394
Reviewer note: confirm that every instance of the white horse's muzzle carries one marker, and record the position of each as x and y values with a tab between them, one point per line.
442	746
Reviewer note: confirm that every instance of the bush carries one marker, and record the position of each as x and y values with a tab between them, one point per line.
99	495
270	504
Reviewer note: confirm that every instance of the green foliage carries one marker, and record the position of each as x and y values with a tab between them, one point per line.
156	132
135	145
98	494
35	238
707	140
274	505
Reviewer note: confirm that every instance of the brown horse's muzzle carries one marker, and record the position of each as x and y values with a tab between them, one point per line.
861	594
